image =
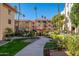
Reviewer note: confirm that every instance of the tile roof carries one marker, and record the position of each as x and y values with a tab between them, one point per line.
10	7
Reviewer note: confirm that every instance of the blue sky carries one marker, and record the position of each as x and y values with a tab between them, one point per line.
45	9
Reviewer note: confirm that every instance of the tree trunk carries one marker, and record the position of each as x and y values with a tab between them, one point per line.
75	30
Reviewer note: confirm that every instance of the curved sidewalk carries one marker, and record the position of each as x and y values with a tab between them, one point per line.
34	49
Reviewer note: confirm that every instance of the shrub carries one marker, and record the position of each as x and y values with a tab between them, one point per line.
56	36
59	39
51	45
8	32
52	36
32	34
72	44
69	42
19	33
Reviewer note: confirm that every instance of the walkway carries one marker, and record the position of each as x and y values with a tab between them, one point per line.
34	49
3	42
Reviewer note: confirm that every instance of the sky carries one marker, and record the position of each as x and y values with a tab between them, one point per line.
43	9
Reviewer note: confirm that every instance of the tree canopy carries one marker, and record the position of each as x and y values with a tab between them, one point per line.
74	14
57	20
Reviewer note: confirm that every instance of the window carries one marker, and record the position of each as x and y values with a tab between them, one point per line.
68	4
9	11
9	21
38	24
68	13
44	25
44	22
38	21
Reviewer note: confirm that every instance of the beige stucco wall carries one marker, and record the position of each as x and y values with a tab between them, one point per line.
0	22
4	16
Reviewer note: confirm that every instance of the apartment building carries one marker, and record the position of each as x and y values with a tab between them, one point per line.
39	25
67	20
43	25
24	25
7	18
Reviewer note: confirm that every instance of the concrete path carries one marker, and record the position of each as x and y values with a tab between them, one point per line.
3	42
34	49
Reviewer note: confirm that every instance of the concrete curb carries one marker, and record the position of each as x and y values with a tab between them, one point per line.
4	43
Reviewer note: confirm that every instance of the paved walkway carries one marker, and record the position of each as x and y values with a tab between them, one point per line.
34	49
3	42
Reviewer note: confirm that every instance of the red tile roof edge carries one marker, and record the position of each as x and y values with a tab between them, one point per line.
12	8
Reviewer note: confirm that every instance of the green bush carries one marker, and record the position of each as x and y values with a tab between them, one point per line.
69	42
8	32
52	36
56	36
51	45
59	39
32	34
72	44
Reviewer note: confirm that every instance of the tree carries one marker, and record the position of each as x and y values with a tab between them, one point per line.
74	15
18	15
58	21
23	16
35	9
42	16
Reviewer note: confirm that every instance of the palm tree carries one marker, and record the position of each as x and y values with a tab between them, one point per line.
58	14
35	8
23	16
18	15
42	16
58	8
14	23
57	20
64	17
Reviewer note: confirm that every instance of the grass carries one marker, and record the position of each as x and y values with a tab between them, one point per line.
50	45
12	47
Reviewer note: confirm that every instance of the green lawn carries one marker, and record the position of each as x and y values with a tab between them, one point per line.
13	47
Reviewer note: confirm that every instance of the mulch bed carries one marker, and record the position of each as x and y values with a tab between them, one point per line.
57	53
51	52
